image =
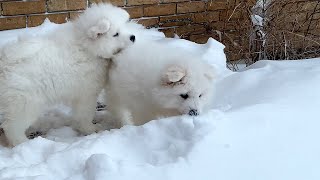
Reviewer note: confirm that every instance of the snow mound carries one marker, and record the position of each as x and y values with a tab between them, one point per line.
158	143
13	35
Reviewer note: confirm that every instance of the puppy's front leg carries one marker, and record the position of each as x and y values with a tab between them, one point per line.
83	115
125	116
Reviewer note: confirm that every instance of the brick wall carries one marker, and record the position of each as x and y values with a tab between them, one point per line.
225	20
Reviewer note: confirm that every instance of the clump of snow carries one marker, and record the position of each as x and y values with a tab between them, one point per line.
264	125
257	20
262	4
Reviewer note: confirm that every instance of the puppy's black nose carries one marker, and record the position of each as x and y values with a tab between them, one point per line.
132	38
193	112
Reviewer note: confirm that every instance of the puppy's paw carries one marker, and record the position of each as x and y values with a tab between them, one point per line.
90	129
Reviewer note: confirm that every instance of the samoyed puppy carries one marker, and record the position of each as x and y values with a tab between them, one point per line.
150	80
67	66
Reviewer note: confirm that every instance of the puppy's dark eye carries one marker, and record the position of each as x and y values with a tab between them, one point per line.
184	96
200	95
116	35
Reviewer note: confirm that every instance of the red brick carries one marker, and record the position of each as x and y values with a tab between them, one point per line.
176	20
190	29
74	15
114	2
202	39
193	6
135	12
15	8
141	2
213	5
64	5
171	1
230	15
36	20
157	10
207	16
12	22
217	25
149	22
168	32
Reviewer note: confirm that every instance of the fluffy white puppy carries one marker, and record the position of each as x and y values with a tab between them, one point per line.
66	66
150	81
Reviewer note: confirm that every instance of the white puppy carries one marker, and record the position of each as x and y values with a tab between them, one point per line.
150	81
66	66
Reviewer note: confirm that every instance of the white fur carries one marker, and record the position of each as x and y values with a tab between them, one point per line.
148	78
67	66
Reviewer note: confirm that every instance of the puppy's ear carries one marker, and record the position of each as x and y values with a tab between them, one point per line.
174	75
210	73
102	27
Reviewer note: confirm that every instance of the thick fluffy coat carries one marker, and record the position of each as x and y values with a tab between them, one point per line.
150	81
67	66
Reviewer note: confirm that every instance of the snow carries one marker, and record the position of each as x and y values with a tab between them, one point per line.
263	4
13	35
264	125
257	20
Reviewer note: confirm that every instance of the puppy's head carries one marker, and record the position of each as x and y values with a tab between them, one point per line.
102	30
186	87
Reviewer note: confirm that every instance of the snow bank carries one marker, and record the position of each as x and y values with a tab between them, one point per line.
13	35
264	125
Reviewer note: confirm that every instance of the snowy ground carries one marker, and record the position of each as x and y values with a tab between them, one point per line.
264	125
